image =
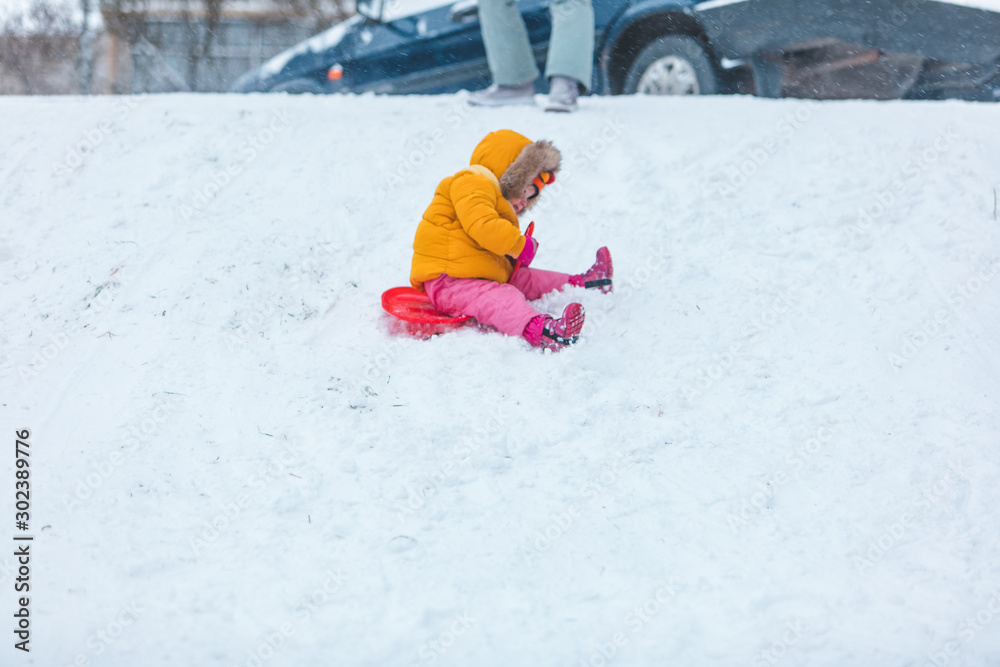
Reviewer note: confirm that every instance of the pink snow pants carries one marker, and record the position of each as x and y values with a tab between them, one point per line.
501	305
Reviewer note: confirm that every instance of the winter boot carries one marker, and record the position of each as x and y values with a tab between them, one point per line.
599	275
551	334
500	96
563	92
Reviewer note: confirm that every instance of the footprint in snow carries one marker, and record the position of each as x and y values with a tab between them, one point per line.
401	543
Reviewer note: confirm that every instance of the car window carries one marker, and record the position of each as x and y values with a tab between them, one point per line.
397	9
989	5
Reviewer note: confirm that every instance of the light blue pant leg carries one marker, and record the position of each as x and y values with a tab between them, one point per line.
571	49
508	51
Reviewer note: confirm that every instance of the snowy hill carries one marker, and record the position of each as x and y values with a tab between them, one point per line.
774	445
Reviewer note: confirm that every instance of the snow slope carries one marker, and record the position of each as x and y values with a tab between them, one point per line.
774	444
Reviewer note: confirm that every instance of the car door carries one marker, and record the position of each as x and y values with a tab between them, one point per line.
956	31
941	29
740	28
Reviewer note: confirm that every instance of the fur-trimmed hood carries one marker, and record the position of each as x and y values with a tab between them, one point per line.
515	160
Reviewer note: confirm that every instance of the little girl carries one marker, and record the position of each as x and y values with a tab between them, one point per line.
469	241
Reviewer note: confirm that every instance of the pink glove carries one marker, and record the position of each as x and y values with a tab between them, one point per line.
528	254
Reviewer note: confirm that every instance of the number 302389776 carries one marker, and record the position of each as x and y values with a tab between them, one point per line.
22	503
22	490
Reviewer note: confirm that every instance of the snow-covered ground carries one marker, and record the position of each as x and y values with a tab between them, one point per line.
775	444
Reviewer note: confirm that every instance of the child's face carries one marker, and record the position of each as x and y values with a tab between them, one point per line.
518	203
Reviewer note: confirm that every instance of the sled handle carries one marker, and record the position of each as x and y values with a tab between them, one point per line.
531	228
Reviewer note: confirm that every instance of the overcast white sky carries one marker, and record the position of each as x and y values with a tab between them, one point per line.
8	7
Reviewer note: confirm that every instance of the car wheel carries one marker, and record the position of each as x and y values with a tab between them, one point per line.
673	65
299	87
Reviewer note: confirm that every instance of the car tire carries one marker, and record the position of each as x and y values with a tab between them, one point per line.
672	65
299	87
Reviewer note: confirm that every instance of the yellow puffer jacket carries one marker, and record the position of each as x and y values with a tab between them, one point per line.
469	226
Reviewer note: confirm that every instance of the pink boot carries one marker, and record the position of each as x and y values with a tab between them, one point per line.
599	275
551	334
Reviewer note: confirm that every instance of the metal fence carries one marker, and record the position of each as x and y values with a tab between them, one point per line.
161	62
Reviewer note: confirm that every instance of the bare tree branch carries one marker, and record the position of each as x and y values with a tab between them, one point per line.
35	48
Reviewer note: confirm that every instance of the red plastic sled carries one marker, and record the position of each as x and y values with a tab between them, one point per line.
417	314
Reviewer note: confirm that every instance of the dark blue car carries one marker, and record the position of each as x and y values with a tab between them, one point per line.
804	48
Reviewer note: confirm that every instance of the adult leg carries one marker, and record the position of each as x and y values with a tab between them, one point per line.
571	49
508	51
